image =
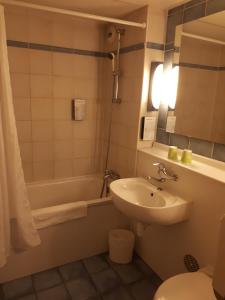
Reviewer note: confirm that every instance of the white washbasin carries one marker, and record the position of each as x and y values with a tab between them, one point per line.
139	199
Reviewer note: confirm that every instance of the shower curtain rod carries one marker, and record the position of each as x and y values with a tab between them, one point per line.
203	38
73	13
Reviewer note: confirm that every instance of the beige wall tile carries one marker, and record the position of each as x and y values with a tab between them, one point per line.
63	64
41	109
41	86
42	131
24	131
85	66
82	166
43	170
17	26
63	87
20	85
18	60
63	130
132	64
86	35
22	109
63	150
62	33
40	62
157	25
84	130
43	151
86	89
83	148
40	29
62	109
77	76
63	169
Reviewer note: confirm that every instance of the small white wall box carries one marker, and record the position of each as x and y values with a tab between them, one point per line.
171	124
78	109
148	128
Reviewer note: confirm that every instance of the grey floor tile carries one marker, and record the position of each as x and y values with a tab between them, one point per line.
106	280
143	290
81	289
95	264
117	294
46	279
143	267
56	293
28	297
17	288
128	273
73	270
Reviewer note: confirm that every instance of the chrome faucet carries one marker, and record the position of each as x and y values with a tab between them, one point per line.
163	173
111	174
108	177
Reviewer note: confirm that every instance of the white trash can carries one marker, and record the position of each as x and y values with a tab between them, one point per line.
121	245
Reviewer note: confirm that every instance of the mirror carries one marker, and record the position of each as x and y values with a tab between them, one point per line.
200	55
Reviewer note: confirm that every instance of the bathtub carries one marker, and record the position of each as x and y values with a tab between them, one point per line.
71	240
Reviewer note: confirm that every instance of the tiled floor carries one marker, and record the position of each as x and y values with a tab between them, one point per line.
94	278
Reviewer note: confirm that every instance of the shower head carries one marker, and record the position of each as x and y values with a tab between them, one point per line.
112	33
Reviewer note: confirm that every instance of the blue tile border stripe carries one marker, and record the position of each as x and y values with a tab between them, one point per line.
132	48
43	47
155	46
124	50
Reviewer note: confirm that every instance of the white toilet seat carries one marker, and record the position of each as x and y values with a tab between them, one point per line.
187	286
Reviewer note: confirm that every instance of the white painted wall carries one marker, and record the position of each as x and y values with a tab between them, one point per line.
163	248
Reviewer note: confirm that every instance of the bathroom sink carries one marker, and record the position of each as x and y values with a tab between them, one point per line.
138	199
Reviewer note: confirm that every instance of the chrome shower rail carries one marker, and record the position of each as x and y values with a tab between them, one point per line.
73	13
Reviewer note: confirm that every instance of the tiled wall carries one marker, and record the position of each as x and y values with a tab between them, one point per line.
125	116
58	59
190	11
139	49
44	80
154	52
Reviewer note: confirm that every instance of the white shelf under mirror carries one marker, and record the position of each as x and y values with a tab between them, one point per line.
208	167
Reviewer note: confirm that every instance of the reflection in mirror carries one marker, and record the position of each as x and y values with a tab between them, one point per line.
200	105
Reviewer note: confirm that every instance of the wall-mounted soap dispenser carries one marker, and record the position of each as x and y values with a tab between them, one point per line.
78	109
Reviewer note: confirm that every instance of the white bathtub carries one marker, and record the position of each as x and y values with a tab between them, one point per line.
72	240
55	192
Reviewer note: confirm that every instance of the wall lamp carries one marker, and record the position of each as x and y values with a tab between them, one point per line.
163	86
156	86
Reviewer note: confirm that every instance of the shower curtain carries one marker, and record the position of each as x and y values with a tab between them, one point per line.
17	230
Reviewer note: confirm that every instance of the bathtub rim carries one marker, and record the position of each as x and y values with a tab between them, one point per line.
64	180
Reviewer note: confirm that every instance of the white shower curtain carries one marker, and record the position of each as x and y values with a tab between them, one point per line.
17	230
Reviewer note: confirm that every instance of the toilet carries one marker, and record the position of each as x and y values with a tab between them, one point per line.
198	285
187	286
